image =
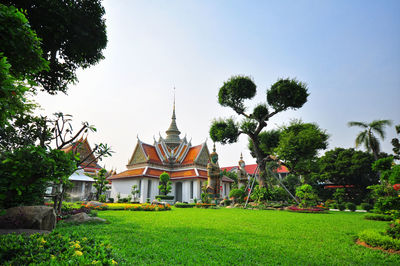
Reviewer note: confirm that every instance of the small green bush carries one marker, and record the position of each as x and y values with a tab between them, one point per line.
351	206
55	249
184	205
378	217
377	239
237	194
111	200
366	206
394	230
341	206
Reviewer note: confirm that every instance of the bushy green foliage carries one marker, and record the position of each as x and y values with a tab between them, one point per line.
55	249
238	194
165	197
347	167
339	195
351	206
307	196
341	206
23	182
366	206
269	140
101	183
72	33
165	185
378	217
377	239
259	194
299	144
224	131
394	230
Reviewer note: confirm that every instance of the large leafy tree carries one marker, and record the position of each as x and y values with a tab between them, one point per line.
299	144
347	167
283	95
367	136
20	58
73	34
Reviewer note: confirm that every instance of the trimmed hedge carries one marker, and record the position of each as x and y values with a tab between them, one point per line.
378	217
165	197
184	205
377	239
366	206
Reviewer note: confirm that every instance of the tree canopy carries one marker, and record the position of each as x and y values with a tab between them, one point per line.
347	167
283	95
72	33
299	144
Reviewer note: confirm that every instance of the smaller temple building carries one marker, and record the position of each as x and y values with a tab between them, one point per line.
186	165
82	182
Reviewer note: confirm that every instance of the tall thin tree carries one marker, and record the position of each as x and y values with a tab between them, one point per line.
367	138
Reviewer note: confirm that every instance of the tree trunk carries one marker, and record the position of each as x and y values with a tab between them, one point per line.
260	162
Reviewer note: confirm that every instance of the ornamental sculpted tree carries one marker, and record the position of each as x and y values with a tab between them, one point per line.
283	95
165	185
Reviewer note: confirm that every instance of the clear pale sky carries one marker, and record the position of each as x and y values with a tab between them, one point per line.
348	52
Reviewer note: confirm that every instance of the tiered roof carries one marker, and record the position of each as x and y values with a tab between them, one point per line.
173	155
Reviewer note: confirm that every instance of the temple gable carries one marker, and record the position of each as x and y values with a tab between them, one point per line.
202	158
138	156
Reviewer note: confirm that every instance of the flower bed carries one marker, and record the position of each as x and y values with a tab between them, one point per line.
55	249
307	210
149	207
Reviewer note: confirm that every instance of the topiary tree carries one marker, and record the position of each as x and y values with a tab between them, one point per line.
283	95
165	185
135	192
100	183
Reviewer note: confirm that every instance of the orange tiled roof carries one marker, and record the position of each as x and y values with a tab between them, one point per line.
154	172
202	173
128	173
182	153
184	173
192	154
151	153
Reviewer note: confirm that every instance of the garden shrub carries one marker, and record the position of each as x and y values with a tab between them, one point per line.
351	206
377	239
205	205
307	196
341	206
366	206
111	200
55	249
237	194
394	230
306	210
184	205
378	217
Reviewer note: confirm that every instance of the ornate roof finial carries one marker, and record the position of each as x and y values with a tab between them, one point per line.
214	150
173	132
241	156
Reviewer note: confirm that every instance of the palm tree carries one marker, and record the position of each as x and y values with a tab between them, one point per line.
367	137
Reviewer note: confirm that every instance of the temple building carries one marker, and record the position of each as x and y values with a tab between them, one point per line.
81	179
186	164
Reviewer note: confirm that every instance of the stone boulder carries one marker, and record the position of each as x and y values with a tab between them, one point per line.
82	217
29	217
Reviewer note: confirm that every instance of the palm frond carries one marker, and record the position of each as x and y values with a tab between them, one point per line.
378	127
357	124
362	139
374	144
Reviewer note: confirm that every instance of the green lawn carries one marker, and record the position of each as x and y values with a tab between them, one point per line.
236	236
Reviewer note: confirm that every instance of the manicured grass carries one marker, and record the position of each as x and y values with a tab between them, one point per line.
236	236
